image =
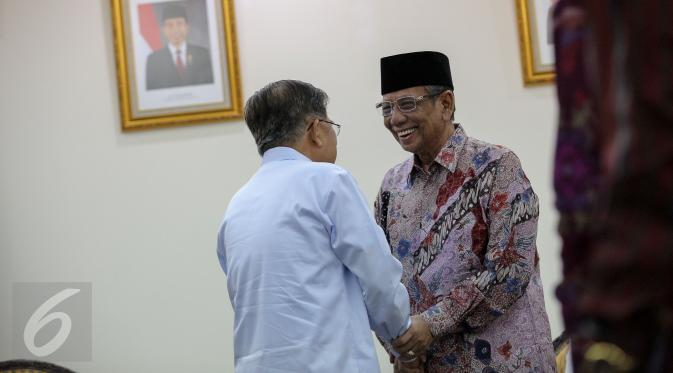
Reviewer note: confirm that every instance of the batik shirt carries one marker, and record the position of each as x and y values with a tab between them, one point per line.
465	235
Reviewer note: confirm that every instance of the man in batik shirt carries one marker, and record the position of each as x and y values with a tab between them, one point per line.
461	217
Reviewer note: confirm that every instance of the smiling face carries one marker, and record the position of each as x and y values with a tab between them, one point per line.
425	130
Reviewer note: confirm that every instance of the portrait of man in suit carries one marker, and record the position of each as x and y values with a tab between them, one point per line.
178	63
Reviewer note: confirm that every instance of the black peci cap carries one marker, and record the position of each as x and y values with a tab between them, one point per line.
173	11
414	69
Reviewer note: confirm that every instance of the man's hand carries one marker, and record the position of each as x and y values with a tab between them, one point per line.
416	340
405	364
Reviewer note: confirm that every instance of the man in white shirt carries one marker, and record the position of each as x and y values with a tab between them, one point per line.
308	270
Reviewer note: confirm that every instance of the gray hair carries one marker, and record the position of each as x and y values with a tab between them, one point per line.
275	114
436	90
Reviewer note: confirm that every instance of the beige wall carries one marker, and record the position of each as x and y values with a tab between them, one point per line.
136	214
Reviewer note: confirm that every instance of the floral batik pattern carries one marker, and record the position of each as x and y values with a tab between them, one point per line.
465	234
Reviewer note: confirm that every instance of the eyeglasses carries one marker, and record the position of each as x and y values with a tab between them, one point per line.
337	127
404	104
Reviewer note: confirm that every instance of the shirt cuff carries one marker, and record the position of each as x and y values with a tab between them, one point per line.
406	327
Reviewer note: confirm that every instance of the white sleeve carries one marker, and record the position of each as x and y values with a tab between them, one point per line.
221	252
361	246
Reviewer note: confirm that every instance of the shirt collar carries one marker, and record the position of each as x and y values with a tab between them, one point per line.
182	48
282	153
448	156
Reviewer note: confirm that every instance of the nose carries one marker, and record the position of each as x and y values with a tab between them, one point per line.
397	117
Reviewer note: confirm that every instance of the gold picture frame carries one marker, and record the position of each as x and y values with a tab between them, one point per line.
158	85
537	59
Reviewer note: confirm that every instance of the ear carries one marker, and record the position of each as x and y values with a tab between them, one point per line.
315	135
447	100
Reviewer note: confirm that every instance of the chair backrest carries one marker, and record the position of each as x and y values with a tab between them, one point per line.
561	349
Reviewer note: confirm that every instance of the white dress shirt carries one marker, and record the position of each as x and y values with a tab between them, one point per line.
183	53
308	271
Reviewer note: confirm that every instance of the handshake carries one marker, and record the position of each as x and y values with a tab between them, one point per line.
412	346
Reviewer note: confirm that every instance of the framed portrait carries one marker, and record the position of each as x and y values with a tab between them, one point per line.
536	35
177	62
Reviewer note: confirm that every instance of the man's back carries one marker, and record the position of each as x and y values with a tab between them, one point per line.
295	244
